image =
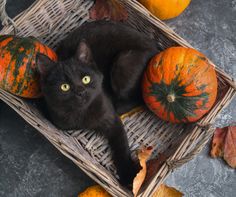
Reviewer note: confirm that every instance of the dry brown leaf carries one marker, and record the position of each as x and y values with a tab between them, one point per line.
143	156
230	147
165	191
108	9
218	142
224	144
153	166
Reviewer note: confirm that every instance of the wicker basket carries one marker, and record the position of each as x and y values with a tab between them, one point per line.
51	21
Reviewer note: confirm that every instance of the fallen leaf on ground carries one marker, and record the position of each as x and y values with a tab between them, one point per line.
94	191
108	9
143	156
224	144
165	191
218	142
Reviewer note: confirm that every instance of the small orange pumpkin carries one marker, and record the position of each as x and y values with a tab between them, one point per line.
165	9
179	85
17	65
94	191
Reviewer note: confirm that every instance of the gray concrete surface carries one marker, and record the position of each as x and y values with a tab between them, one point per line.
31	166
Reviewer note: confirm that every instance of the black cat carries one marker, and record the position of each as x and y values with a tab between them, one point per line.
98	73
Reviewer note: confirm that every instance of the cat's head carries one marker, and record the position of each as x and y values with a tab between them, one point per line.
74	82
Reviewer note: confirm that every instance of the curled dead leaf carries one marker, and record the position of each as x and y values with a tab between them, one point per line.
108	9
230	147
218	142
143	156
224	144
153	166
165	191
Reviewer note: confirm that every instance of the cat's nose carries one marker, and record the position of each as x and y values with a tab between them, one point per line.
80	93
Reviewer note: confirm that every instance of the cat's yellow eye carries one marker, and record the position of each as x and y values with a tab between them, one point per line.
65	87
86	80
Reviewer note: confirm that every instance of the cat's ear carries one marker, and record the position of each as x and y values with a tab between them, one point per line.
43	63
84	53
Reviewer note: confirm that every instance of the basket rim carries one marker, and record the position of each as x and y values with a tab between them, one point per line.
177	156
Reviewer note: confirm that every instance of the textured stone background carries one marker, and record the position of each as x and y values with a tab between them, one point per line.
30	166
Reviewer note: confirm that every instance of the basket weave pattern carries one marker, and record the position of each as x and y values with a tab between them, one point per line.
51	21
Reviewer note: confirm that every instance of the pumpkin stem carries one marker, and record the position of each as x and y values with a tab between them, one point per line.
170	98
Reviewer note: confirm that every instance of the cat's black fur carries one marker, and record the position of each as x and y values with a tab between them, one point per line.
115	57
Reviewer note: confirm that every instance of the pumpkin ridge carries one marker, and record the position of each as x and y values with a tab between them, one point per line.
149	80
26	44
186	109
197	75
20	87
178	113
2	48
6	46
185	105
191	64
13	54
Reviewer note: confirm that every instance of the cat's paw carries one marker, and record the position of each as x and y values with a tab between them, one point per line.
128	174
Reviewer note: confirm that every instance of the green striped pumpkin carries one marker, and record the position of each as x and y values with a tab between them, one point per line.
180	85
18	73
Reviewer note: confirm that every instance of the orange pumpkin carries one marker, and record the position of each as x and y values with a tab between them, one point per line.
165	9
179	85
94	191
17	65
